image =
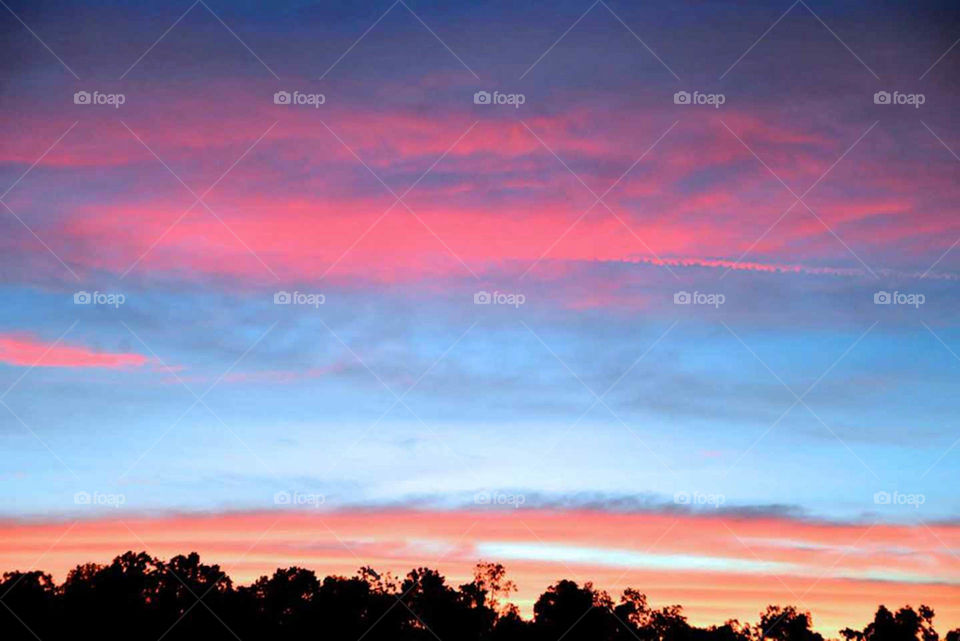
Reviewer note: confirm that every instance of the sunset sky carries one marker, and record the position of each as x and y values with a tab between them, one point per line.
789	436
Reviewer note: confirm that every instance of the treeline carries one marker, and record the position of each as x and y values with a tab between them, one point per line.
138	597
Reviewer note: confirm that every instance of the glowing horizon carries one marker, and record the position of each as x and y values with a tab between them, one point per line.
665	555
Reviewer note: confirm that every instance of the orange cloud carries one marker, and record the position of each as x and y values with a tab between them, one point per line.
716	565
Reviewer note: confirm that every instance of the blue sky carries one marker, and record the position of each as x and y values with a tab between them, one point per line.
796	201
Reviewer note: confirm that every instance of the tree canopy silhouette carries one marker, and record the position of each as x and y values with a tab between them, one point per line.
138	597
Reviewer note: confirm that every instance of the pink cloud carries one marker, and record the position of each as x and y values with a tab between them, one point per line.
23	350
498	200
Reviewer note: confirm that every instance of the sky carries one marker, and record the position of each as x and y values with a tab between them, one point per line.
536	283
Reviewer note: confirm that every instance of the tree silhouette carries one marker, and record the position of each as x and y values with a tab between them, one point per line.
137	597
579	613
905	625
787	624
30	599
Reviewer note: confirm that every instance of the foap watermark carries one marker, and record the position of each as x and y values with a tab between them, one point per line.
898	298
698	98
497	98
299	298
898	98
698	298
114	300
499	298
97	98
299	499
699	498
899	498
102	499
299	98
499	498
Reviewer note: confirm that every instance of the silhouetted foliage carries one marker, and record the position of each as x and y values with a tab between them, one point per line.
905	625
137	597
786	624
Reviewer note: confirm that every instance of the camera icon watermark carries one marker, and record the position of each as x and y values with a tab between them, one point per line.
899	498
299	298
299	499
898	98
898	298
699	498
499	298
699	298
99	298
499	499
97	98
497	98
99	499
698	98
299	98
